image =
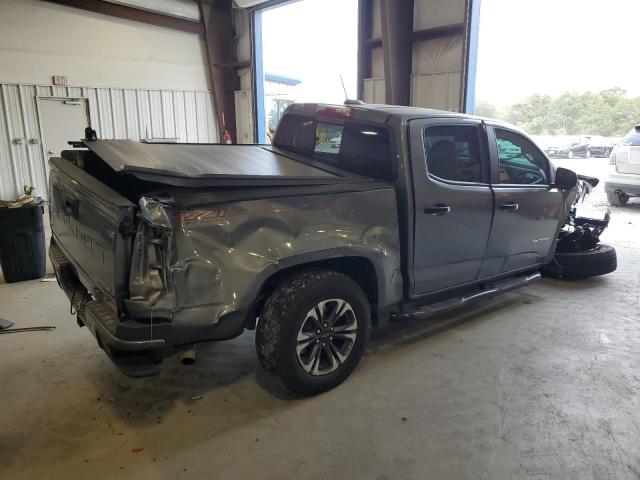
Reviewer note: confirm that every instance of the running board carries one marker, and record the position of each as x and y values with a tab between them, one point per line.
490	290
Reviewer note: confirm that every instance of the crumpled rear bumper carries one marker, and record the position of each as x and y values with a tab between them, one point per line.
136	348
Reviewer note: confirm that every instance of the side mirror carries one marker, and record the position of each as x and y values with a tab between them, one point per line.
566	179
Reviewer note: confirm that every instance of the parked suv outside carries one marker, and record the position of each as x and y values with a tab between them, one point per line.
623	181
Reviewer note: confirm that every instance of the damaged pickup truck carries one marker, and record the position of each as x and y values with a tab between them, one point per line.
355	215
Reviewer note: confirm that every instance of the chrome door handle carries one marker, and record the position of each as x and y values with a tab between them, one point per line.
438	209
509	206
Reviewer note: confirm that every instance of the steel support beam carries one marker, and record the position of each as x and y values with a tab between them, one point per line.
471	56
219	38
397	45
365	28
135	14
427	34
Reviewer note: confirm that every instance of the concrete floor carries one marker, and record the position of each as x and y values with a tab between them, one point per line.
542	383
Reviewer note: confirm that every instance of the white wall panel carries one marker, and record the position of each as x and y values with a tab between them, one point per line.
16	134
191	119
35	155
441	55
437	13
39	39
132	114
114	113
374	90
376	24
168	120
440	91
8	179
377	63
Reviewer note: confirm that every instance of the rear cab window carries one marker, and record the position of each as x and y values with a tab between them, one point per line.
353	146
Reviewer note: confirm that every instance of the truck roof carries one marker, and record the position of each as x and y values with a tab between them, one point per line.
382	113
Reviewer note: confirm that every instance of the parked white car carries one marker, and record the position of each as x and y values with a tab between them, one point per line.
623	180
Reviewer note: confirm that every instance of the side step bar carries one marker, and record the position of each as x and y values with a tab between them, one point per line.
491	290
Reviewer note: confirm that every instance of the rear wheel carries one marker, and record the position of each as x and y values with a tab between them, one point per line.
578	265
313	330
618	199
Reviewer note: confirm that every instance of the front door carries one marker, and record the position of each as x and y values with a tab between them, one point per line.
528	210
453	202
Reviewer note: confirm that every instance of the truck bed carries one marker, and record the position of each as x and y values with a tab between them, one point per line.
212	165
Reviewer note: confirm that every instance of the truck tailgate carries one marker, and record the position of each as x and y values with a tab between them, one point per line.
91	224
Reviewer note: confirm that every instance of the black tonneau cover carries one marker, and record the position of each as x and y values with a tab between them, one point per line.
211	164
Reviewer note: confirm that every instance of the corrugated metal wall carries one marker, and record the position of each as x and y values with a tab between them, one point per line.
436	79
438	90
114	113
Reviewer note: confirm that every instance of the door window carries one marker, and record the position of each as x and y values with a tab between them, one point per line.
521	162
453	153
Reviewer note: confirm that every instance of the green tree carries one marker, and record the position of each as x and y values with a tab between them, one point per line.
608	113
484	108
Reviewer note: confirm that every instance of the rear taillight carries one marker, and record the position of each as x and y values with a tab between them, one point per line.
334	111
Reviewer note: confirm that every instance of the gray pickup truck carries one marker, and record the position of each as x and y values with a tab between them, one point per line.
356	215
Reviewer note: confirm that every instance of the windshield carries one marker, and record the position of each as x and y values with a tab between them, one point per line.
356	147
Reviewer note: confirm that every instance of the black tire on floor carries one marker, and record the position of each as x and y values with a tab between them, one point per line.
283	316
577	265
617	199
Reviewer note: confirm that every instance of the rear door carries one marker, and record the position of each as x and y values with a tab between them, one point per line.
628	153
91	224
528	211
453	202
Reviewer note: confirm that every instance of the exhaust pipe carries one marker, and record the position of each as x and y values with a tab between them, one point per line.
188	356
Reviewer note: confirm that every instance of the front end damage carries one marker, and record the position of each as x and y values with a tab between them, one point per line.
579	253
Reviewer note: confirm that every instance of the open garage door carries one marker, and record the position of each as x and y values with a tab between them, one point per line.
305	51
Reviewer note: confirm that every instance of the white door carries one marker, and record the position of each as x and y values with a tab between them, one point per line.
62	120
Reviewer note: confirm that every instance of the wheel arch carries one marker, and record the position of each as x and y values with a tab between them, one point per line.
362	269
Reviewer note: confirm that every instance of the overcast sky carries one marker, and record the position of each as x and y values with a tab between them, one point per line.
526	46
314	41
550	46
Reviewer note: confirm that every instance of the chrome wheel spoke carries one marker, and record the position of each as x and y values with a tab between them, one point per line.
302	346
346	336
352	327
326	337
335	361
315	317
313	359
337	354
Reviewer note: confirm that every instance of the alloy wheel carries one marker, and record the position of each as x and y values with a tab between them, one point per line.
326	337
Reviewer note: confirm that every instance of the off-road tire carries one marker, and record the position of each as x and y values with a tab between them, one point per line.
578	265
282	317
617	199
